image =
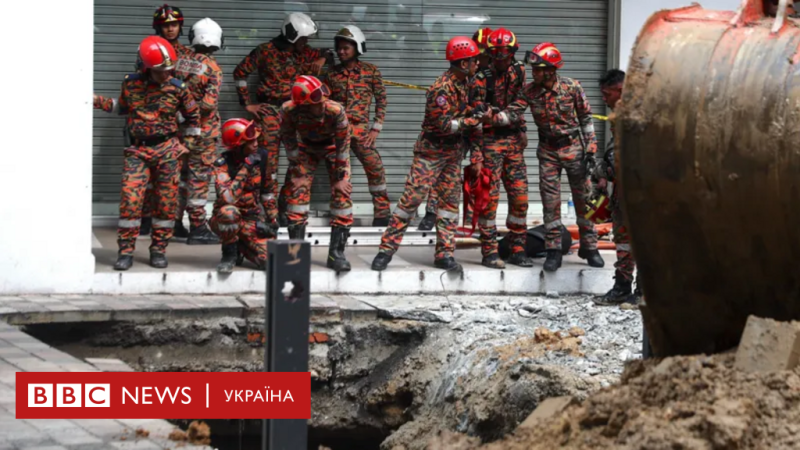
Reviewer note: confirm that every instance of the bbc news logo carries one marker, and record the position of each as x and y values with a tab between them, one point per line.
71	395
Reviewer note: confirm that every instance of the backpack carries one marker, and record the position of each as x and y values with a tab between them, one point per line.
534	243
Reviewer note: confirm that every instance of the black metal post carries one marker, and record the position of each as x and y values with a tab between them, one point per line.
647	352
287	313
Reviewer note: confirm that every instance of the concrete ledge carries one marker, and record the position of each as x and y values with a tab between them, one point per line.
567	280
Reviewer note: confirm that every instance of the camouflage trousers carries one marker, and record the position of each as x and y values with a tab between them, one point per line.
270	140
158	166
435	164
551	162
373	166
505	157
301	173
196	171
227	222
625	264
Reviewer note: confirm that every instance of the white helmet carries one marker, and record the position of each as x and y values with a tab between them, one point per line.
353	34
298	25
206	32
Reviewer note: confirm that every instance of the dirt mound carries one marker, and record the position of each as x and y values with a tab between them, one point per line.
695	402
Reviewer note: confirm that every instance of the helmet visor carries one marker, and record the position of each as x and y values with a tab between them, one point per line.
251	132
535	60
501	52
317	95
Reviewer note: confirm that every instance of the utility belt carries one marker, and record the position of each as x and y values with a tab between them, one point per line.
317	144
559	141
151	141
449	139
262	98
504	131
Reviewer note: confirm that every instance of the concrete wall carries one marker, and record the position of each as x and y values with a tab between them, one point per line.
46	167
636	12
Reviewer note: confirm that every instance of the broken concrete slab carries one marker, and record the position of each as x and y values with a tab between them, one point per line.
768	345
548	408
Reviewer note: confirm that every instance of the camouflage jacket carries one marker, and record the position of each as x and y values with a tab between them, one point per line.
203	77
152	109
300	127
277	65
557	112
503	90
238	181
355	89
448	112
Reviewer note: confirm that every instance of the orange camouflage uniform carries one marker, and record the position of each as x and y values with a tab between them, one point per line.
241	195
437	161
203	77
277	64
355	88
152	122
309	139
563	117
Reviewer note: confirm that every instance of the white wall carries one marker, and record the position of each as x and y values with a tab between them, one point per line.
636	12
46	167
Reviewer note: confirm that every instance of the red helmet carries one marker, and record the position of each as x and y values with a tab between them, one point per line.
156	52
544	55
461	47
308	90
480	37
234	131
167	14
502	44
598	209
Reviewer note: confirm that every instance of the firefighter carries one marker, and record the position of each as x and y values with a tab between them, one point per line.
278	62
168	24
240	183
438	155
476	92
567	141
771	8
611	88
316	129
152	100
354	84
203	77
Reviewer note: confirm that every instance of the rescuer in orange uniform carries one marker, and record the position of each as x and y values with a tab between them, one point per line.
152	101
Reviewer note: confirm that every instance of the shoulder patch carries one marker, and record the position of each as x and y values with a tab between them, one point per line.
133	76
178	83
221	161
441	101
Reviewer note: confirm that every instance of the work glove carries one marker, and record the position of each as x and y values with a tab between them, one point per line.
267	230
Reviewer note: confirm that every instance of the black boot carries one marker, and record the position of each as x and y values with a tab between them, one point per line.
618	294
553	261
297	232
447	263
336	259
592	257
124	262
202	235
230	254
493	261
180	231
381	261
158	260
520	259
636	297
380	222
282	220
146	227
428	222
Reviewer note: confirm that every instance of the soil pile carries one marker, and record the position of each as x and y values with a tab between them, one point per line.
695	402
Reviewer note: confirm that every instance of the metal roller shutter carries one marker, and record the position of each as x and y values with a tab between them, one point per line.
405	40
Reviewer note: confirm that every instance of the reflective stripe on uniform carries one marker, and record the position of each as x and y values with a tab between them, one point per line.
241	83
377	126
298	208
453	126
378	188
197	202
502	119
342	212
115	108
553	224
228	226
448	215
160	223
487	222
588	128
516	220
194	131
343	156
624	247
228	197
129	223
292	153
267	197
402	214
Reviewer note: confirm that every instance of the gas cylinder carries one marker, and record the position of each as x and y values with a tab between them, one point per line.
708	133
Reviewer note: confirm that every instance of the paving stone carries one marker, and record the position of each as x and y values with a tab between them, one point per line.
46	447
253	301
135	445
768	346
8	350
10	298
14	335
77	436
53	425
58	307
31	346
36	299
109	365
31	364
